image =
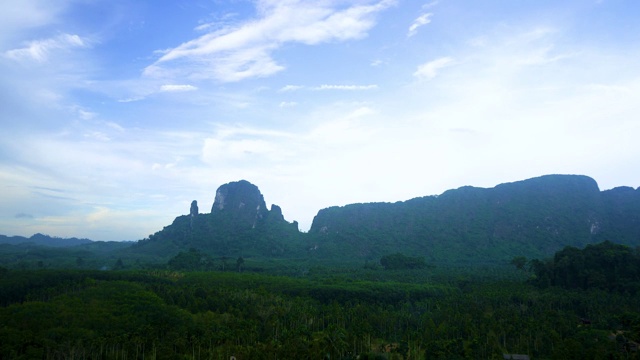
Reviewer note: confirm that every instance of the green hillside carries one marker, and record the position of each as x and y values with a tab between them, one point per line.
531	218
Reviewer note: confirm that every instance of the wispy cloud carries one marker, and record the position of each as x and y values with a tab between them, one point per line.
330	87
177	88
86	115
421	20
41	50
430	69
234	53
430	5
287	104
291	88
242	145
131	99
346	87
18	16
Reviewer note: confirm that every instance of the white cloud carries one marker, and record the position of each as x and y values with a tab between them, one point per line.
430	69
346	130
16	17
177	88
430	5
421	20
115	126
290	88
86	115
330	87
40	50
346	87
97	135
288	104
131	99
234	53
216	150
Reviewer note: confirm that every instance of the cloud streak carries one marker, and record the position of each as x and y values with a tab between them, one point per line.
245	50
430	69
41	50
420	21
323	87
346	87
177	88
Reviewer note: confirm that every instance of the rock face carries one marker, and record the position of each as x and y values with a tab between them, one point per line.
242	201
239	225
534	218
276	213
194	208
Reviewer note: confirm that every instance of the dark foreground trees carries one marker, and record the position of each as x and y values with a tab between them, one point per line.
605	266
417	314
399	261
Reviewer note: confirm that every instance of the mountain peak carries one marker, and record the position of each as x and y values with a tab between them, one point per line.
242	199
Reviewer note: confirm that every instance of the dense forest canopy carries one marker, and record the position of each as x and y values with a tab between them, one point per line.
423	313
606	266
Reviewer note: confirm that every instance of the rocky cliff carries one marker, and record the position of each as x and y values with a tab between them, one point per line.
533	217
239	225
242	201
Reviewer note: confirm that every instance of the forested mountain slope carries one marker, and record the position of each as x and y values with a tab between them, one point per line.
239	225
532	218
44	240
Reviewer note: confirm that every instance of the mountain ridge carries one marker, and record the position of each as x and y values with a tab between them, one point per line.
533	218
44	240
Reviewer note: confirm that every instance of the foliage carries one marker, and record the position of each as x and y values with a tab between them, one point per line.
606	266
443	313
399	261
192	260
519	262
532	218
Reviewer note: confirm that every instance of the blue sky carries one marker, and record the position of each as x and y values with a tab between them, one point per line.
116	114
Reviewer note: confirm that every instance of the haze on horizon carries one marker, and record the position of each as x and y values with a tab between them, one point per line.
115	115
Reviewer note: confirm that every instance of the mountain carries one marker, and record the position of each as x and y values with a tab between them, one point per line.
43	240
532	218
239	225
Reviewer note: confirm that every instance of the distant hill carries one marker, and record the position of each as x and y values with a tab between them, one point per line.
532	218
43	240
239	225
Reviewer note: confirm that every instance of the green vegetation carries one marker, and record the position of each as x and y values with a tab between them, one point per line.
605	266
244	282
399	261
325	312
533	218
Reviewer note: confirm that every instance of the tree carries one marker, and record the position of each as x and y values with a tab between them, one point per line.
399	261
519	262
119	265
239	263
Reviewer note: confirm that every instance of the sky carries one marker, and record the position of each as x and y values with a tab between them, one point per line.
116	114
